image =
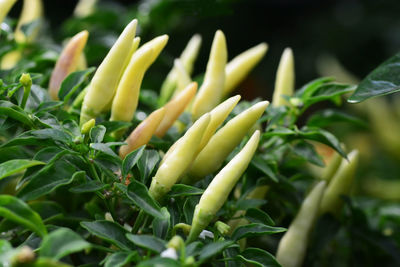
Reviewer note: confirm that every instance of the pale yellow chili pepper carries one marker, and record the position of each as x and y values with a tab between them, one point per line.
84	8
105	80
293	245
183	78
5	7
340	184
67	62
175	108
210	92
187	58
238	68
220	187
142	133
284	83
223	142
179	159
31	10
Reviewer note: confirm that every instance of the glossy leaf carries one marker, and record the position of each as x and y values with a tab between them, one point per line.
16	165
384	80
72	82
255	229
61	243
91	186
147	163
181	190
161	226
110	232
258	257
97	133
158	261
213	249
149	242
18	211
119	259
131	159
139	194
259	216
17	113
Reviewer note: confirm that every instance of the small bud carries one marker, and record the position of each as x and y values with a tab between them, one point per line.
26	80
189	261
87	126
25	255
222	228
297	102
176	243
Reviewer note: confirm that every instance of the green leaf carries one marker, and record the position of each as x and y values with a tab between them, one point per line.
110	232
119	259
327	91
307	152
72	82
244	203
45	262
258	257
43	183
16	165
138	193
255	229
147	163
181	190
149	242
259	216
47	209
61	243
97	133
131	159
212	249
308	89
15	112
158	261
113	126
385	79
262	165
91	186
47	106
161	226
327	117
104	149
54	134
18	211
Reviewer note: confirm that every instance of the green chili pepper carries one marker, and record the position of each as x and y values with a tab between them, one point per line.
238	68
5	6
142	133
175	107
187	59
218	190
210	92
223	142
67	62
105	80
175	165
293	245
340	184
284	83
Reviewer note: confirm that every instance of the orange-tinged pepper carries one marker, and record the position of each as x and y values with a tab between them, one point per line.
142	133
175	108
67	62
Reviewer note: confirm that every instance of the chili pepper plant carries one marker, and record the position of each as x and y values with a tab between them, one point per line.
97	169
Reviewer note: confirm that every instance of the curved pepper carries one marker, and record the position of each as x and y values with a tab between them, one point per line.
5	6
220	187
104	83
238	68
126	98
284	83
293	245
31	10
67	62
142	133
174	166
175	107
340	184
210	92
218	116
224	142
188	57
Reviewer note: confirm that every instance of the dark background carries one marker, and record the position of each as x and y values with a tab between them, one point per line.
360	34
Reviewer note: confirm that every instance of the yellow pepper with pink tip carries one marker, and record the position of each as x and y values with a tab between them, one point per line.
210	92
67	62
142	133
175	165
104	83
223	142
175	108
220	187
